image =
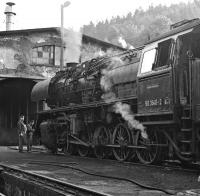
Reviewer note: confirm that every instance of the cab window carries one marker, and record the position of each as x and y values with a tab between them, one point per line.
163	56
148	60
157	58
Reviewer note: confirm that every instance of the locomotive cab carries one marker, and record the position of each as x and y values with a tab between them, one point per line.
154	80
169	90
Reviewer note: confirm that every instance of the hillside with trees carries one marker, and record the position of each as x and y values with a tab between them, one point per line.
136	28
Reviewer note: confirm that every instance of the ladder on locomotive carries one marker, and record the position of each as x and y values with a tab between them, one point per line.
186	135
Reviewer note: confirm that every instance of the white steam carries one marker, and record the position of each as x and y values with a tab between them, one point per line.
119	107
122	41
126	113
124	44
130	47
106	82
99	53
72	40
106	85
106	79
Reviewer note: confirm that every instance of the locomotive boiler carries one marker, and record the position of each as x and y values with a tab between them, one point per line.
142	103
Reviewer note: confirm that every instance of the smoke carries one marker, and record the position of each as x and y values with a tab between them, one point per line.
107	84
122	42
72	40
106	77
99	53
106	81
2	65
126	113
130	47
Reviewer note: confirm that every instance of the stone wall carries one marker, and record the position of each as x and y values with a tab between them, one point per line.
16	55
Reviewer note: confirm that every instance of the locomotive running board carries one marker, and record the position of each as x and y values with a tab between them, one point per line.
159	122
85	105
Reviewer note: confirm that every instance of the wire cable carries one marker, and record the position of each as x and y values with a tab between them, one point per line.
169	192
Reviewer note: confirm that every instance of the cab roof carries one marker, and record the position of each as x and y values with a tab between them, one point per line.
184	25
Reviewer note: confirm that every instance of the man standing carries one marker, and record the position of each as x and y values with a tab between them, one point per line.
21	128
29	135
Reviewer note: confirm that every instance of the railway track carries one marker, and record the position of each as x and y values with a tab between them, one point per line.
165	165
30	182
71	165
54	166
75	166
192	168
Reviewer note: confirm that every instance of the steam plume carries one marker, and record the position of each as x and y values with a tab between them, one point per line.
106	79
127	114
119	107
72	40
122	42
99	53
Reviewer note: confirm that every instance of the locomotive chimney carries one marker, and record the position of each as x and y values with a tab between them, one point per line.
9	15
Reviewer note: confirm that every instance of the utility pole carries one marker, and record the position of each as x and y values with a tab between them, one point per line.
67	3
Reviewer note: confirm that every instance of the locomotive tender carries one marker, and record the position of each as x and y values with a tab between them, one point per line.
142	103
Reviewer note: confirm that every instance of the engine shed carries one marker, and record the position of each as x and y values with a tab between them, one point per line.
14	100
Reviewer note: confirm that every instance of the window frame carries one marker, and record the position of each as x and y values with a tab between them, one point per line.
142	60
170	48
155	46
53	48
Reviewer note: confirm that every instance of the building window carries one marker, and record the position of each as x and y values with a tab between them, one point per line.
40	54
57	55
44	55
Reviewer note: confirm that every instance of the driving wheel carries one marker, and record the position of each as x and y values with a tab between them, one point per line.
101	138
121	138
151	151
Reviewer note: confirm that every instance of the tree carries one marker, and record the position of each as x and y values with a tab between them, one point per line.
137	27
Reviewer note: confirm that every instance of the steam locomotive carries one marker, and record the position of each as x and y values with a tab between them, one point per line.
143	103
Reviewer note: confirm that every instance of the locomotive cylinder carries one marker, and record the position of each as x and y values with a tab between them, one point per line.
76	124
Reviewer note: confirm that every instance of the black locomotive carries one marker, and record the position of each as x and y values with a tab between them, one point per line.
142	103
